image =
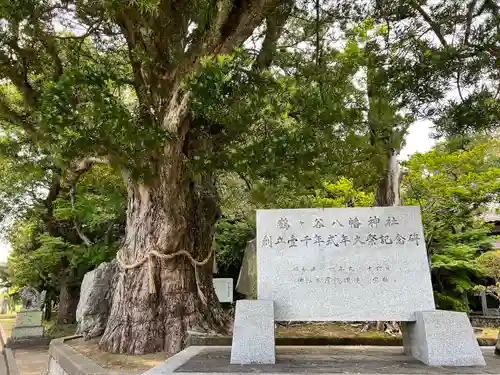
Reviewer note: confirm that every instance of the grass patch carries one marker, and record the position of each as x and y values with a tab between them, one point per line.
331	330
55	330
488	333
346	330
8	324
52	329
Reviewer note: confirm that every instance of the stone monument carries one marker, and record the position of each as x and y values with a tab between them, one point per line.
247	279
354	264
28	329
96	294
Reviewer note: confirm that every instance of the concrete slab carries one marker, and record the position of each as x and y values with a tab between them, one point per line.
214	360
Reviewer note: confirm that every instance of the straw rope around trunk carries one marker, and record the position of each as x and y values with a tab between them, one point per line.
154	253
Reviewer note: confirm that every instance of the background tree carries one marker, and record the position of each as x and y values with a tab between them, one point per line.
116	92
489	263
153	89
452	189
53	250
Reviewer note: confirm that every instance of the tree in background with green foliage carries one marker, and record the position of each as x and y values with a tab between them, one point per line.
233	234
452	188
342	193
155	90
57	238
489	264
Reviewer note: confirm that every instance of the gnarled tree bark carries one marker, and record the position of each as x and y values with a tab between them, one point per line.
173	212
173	209
158	301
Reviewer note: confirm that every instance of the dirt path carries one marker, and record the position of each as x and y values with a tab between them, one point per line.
30	361
3	367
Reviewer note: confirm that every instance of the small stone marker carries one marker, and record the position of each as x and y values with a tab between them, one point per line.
484	301
253	333
348	264
3	307
224	289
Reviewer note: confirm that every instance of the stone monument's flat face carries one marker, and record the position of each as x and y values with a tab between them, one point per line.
253	332
29	318
343	264
224	289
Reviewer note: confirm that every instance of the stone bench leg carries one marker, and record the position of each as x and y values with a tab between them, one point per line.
253	333
442	338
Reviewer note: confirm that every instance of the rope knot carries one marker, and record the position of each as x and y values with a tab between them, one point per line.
149	257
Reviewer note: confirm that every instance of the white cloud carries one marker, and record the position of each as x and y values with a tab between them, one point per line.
4	251
418	139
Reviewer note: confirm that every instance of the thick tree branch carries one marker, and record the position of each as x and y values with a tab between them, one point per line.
434	26
318	37
241	22
17	73
161	57
79	231
55	188
246	180
79	168
468	22
49	43
459	86
274	27
136	46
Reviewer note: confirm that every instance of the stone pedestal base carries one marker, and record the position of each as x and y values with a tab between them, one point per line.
442	338
22	337
26	332
253	333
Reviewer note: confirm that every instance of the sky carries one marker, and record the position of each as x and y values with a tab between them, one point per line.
417	140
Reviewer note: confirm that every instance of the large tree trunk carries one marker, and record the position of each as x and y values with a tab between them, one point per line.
66	313
497	346
157	300
387	192
169	213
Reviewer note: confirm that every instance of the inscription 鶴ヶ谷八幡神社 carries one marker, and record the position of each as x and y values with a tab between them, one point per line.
335	239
